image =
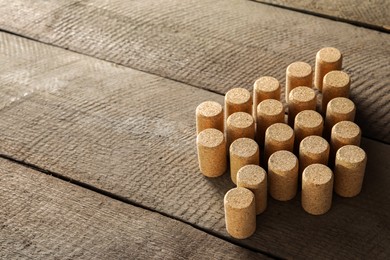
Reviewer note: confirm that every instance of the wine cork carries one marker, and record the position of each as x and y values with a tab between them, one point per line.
338	109
211	148
209	114
265	88
300	98
240	212
238	100
269	112
243	151
327	59
278	137
298	74
317	189
239	124
283	175
307	122
349	170
254	178
335	84
313	149
343	133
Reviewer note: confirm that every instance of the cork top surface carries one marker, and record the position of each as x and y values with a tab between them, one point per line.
244	147
209	109
270	107
251	176
266	84
329	55
299	69
210	138
351	154
302	94
346	129
317	174
341	105
240	120
282	161
279	132
239	198
308	119
238	96
337	79
314	145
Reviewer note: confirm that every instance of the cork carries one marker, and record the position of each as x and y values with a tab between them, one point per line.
327	59
254	178
313	149
298	74
300	98
283	175
269	112
343	133
278	137
239	124
307	122
317	189
265	88
338	109
238	100
211	148
335	84
240	212
350	166
209	114
243	151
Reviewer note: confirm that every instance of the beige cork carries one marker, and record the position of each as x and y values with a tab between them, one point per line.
254	178
243	151
278	137
300	98
211	148
343	133
338	109
240	212
238	100
307	122
349	170
298	74
335	84
313	149
317	189
269	112
283	175
239	124
327	59
209	114
265	88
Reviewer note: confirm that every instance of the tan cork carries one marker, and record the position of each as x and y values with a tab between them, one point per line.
239	124
265	88
338	109
211	148
317	189
300	98
243	151
238	100
283	175
350	166
335	84
254	178
240	212
269	112
343	133
278	137
313	149
327	59
307	122
298	74
209	114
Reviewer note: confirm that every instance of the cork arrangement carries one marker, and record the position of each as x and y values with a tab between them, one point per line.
314	151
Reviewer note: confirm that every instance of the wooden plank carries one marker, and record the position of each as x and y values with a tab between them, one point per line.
373	14
212	44
43	217
133	134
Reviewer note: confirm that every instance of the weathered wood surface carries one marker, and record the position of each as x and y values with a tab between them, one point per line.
212	44
133	134
373	14
43	217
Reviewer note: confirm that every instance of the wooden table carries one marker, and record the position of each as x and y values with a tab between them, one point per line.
97	130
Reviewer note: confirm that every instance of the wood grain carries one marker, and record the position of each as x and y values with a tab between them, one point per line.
132	134
212	44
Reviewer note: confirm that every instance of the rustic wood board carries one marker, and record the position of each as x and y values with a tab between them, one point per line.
212	44
132	134
373	14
